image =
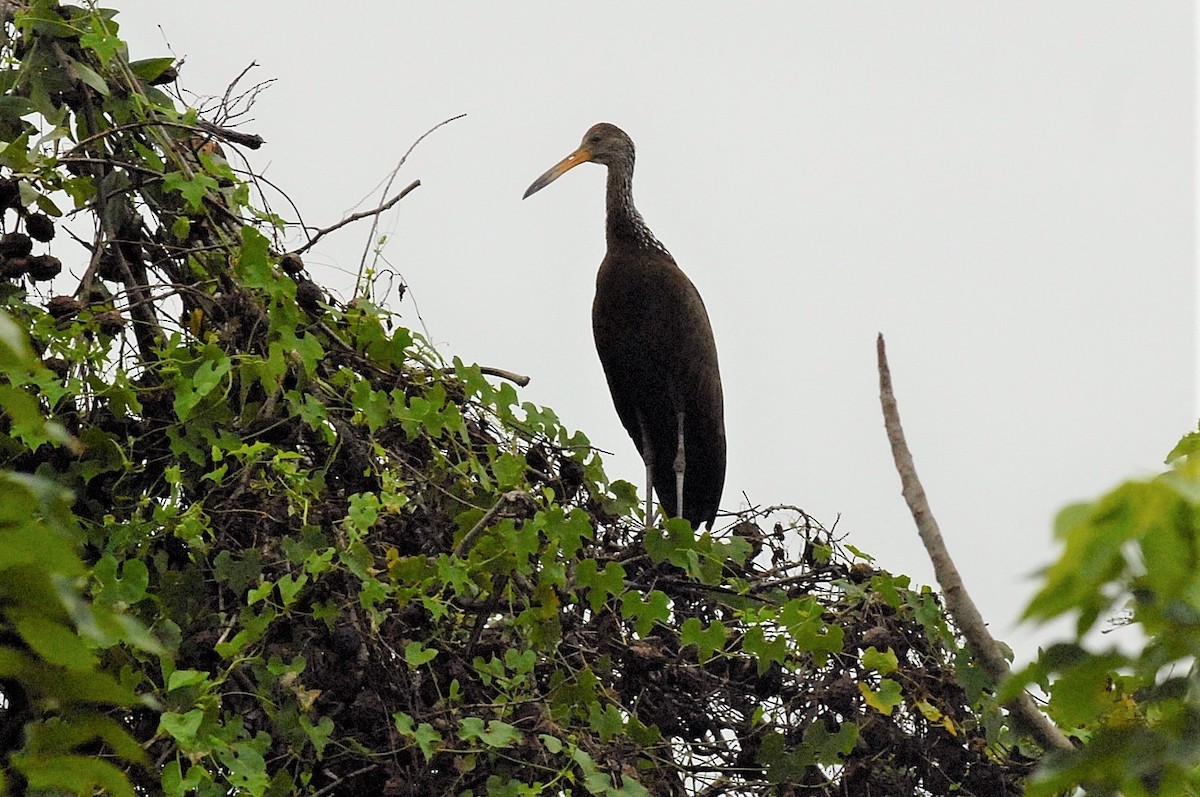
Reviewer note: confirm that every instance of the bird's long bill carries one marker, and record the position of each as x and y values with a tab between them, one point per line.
581	155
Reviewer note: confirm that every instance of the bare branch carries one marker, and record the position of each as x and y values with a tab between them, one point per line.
362	263
520	380
468	540
958	601
247	140
229	89
353	217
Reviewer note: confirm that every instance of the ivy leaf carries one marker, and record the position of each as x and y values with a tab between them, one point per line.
102	43
605	721
318	734
600	586
193	189
417	654
645	611
182	727
885	699
884	663
830	748
765	651
707	640
495	734
190	392
509	470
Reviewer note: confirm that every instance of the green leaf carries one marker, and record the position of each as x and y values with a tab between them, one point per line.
600	586
206	378
148	69
73	774
417	654
14	344
885	699
193	189
318	734
645	611
605	721
707	640
55	642
884	663
45	20
830	748
494	734
86	74
509	470
182	727
183	678
765	651
103	44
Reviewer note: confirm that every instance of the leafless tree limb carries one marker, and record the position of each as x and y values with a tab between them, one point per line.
353	217
362	264
247	140
958	601
520	380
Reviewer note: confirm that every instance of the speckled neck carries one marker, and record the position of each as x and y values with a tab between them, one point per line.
624	224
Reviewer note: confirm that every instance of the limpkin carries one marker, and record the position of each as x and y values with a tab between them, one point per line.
655	343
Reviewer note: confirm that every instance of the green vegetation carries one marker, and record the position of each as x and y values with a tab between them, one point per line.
257	541
1133	553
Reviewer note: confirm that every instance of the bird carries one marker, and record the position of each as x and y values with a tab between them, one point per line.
655	343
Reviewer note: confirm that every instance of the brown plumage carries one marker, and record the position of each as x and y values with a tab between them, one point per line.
655	343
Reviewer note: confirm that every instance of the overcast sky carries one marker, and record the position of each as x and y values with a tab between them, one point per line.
1005	190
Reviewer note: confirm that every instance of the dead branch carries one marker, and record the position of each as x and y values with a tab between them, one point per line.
247	140
362	263
353	217
468	540
520	380
958	601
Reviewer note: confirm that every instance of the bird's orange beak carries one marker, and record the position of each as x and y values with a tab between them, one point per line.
581	155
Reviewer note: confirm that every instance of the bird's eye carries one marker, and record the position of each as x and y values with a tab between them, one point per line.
594	138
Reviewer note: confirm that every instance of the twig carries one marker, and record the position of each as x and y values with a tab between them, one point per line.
224	106
468	540
353	217
338	781
958	601
362	263
520	380
247	140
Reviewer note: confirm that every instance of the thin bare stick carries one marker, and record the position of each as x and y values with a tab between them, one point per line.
520	380
229	89
362	263
468	540
353	217
958	601
247	140
201	127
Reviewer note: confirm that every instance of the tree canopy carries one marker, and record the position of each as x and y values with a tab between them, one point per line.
257	539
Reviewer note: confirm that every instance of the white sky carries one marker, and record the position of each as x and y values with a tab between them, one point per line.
1006	190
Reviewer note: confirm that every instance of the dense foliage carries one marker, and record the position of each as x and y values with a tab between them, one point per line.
259	541
1131	557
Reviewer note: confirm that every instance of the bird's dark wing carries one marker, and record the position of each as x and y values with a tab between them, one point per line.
656	345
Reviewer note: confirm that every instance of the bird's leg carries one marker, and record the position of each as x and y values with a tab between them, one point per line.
680	462
648	458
